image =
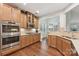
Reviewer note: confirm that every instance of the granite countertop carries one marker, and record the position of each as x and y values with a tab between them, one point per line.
29	34
75	42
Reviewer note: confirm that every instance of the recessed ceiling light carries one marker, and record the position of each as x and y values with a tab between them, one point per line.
37	12
24	3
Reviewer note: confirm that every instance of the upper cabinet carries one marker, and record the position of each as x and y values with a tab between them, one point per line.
33	21
5	12
26	19
23	20
16	15
36	22
9	13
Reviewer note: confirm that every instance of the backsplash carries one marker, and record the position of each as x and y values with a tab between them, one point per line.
26	31
23	31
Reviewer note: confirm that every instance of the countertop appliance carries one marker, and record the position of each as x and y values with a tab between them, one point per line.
9	34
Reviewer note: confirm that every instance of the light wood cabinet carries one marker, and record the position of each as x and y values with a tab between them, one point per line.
52	41
9	13
26	40
5	12
67	47
0	11
23	20
62	44
59	43
36	22
36	37
16	15
31	38
49	40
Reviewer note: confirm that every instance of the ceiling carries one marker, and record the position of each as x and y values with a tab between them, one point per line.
43	8
76	9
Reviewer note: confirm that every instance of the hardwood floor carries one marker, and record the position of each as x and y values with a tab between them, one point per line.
37	49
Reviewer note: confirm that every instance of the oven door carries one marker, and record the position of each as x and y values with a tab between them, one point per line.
9	28
10	41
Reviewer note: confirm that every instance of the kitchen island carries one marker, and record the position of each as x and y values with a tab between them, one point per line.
66	45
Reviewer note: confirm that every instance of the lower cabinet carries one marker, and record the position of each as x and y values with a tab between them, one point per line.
26	40
49	40
52	41
67	47
62	44
59	43
36	37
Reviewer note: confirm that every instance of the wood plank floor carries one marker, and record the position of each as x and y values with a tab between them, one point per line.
37	49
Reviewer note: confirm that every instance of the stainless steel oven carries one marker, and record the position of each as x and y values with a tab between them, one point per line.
9	34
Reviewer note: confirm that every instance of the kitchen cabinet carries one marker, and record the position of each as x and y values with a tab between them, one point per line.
36	37
36	22
59	43
67	47
49	40
52	40
26	40
16	15
62	44
23	20
0	11
13	14
31	39
5	12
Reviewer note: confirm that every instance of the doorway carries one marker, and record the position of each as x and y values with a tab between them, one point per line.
43	29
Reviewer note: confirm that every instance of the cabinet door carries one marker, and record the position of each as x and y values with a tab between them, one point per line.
36	22
0	11
67	47
49	40
53	41
31	39
6	12
36	37
24	41
23	20
15	15
59	43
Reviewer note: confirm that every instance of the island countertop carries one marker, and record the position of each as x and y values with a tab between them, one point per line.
75	42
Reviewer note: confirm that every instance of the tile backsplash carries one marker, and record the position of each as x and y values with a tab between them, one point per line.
23	31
